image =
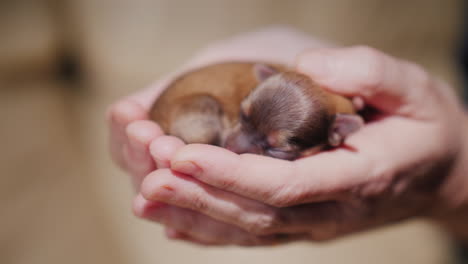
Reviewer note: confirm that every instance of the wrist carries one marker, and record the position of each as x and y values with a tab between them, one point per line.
454	213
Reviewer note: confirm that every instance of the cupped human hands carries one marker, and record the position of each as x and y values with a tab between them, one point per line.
401	165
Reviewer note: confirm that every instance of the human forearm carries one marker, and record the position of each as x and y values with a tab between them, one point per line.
454	194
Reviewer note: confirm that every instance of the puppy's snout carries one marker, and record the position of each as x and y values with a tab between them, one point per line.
240	142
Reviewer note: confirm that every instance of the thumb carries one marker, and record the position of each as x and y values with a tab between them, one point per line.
391	85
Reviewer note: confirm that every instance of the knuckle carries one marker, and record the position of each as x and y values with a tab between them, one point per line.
267	223
198	203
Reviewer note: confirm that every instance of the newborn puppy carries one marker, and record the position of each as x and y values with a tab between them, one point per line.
255	108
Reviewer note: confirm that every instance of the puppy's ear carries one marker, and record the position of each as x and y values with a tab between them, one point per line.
343	125
263	71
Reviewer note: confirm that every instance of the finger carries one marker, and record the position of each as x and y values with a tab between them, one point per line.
119	116
183	191
138	159
276	182
389	84
254	217
198	226
195	227
163	148
143	208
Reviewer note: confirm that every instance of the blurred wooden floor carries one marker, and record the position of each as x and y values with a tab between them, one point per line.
64	202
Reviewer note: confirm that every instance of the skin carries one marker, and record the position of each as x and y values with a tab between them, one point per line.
410	161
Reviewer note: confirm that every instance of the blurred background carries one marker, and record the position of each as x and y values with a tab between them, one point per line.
63	62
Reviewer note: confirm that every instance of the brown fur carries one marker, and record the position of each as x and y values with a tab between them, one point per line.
281	109
297	109
227	83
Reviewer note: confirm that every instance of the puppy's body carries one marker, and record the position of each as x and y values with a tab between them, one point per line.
251	107
211	94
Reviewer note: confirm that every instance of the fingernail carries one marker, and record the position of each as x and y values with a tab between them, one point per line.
186	167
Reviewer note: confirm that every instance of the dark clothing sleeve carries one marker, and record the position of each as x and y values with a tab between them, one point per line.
462	59
462	254
462	56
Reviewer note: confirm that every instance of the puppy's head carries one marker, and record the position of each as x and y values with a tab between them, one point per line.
280	117
284	115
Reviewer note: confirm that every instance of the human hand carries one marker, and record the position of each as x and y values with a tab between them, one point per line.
404	163
130	131
138	145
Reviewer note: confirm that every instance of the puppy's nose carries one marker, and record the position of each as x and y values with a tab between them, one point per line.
241	143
